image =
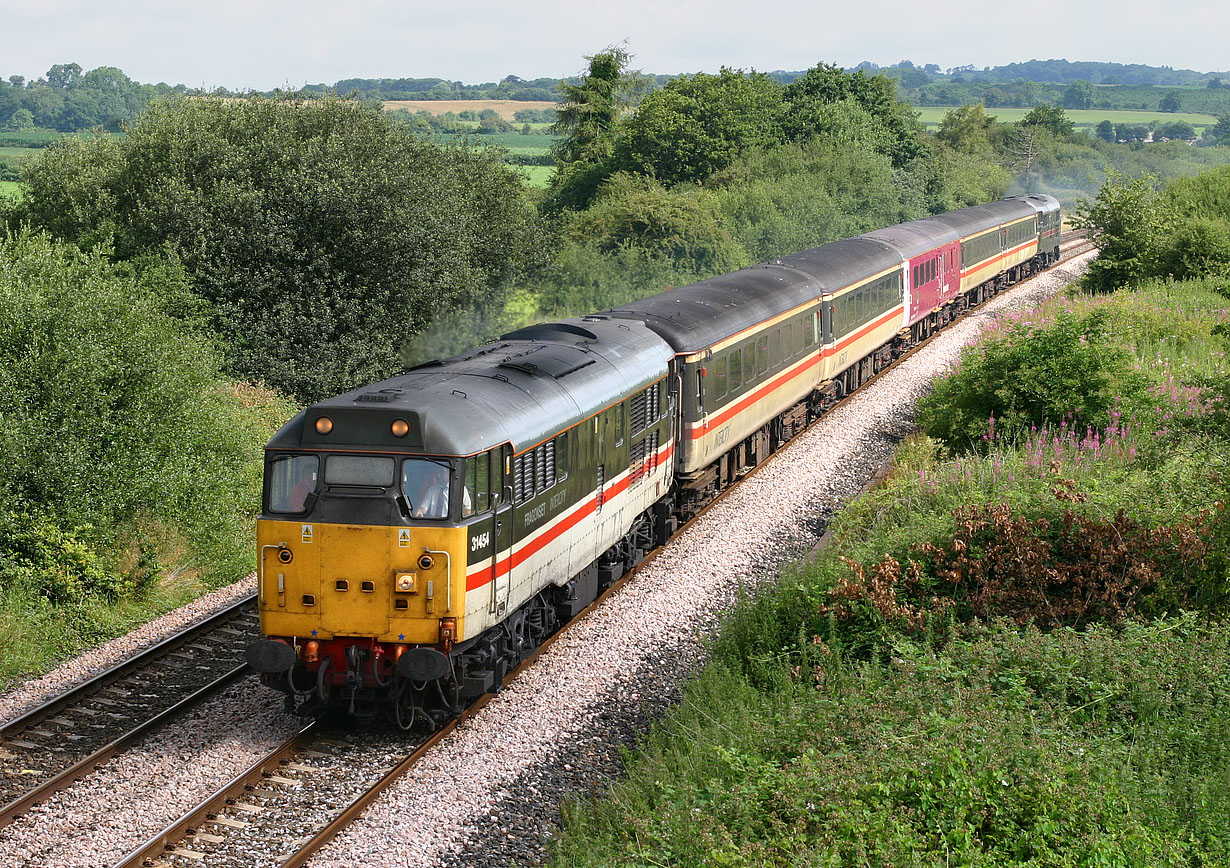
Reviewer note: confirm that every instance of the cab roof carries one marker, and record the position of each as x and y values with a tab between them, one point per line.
522	389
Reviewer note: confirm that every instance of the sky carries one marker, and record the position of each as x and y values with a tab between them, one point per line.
263	44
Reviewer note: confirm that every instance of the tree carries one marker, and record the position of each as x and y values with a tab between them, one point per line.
20	120
1051	118
1178	130
698	124
62	75
119	431
1106	131
824	84
1219	133
967	129
1078	95
321	234
1128	221
585	125
1170	102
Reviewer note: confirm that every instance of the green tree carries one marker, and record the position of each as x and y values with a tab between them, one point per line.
119	431
585	122
967	129
1178	130
1106	131
1050	118
63	75
698	124
1219	133
1078	95
321	234
1128	221
1170	102
808	95
20	120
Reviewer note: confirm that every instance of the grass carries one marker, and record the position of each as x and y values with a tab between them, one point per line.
538	177
17	152
13	188
932	115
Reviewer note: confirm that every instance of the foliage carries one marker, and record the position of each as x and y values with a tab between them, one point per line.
320	234
699	124
1051	118
637	212
1029	375
807	97
1126	220
128	457
585	125
967	129
1182	232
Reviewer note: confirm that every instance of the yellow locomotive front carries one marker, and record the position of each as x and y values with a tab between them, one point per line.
362	562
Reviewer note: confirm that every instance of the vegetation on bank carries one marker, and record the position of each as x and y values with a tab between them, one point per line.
1012	653
131	464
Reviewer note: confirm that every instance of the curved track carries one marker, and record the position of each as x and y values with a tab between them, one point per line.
265	815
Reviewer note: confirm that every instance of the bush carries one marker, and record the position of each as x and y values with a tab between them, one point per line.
119	427
1028	375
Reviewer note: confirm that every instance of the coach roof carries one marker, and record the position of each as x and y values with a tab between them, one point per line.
695	317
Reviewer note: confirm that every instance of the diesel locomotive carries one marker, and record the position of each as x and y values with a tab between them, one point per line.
420	536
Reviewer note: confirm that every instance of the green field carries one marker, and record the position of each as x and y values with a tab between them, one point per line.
536	176
18	153
13	188
932	115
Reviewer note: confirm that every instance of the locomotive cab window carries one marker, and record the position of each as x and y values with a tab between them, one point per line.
291	479
477	496
425	485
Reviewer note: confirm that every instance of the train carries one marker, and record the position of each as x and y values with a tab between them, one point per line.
421	536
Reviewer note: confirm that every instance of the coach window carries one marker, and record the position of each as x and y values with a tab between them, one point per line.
291	479
719	378
736	371
775	349
749	363
788	341
762	353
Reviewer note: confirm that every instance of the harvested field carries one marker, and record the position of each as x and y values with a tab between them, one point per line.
505	108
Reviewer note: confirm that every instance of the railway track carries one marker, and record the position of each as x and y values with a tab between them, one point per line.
288	805
51	746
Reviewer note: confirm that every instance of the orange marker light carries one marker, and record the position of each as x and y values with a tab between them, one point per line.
400	427
324	425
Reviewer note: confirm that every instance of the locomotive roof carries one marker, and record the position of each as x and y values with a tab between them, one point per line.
699	315
1040	202
522	389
